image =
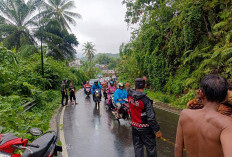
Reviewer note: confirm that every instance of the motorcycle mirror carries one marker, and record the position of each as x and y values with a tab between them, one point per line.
35	131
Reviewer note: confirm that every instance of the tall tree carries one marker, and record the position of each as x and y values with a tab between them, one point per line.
18	17
60	43
89	50
60	10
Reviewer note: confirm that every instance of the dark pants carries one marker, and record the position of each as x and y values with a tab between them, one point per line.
66	97
144	137
72	96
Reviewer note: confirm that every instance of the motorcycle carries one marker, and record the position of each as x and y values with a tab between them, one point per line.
124	111
97	97
110	106
104	89
88	90
44	146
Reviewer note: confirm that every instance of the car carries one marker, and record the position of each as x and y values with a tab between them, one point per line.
107	78
91	81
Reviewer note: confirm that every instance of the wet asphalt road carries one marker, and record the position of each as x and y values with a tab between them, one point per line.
90	131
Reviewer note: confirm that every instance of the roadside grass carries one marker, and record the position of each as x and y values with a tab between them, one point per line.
177	102
17	122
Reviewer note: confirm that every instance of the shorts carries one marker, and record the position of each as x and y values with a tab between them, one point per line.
72	96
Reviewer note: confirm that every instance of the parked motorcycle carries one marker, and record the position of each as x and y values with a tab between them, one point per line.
97	97
44	146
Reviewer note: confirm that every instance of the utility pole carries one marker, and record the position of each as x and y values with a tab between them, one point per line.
41	45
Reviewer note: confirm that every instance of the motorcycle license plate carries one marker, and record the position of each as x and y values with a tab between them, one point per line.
87	89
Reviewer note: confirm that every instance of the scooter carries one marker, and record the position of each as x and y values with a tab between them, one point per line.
124	111
110	106
97	97
88	90
44	146
104	93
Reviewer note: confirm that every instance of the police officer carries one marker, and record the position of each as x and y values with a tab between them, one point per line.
145	128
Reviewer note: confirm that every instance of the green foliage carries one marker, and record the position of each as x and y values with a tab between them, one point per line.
106	60
89	70
89	50
103	59
176	84
16	122
176	44
182	101
159	96
60	43
18	17
60	10
21	81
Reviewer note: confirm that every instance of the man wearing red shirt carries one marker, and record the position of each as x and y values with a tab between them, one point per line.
145	128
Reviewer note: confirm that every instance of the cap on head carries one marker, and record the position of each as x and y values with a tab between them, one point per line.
139	83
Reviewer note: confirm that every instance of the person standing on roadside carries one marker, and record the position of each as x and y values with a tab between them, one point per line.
145	128
64	92
206	132
127	86
72	91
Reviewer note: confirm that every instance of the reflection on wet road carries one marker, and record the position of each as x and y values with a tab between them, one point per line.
90	131
94	132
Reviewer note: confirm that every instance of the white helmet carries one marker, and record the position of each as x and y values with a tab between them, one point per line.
120	84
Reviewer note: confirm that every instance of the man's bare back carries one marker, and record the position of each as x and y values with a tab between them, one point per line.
201	132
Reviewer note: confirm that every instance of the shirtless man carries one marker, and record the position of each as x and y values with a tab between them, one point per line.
205	132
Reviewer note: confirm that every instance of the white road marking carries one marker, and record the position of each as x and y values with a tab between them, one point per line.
64	146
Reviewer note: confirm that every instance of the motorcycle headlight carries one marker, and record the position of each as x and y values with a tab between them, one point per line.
2	154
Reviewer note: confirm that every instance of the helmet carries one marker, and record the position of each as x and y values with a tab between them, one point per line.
95	81
120	84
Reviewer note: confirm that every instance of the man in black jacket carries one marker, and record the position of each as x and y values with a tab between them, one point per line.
145	128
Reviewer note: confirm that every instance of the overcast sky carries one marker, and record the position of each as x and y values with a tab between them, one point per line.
102	23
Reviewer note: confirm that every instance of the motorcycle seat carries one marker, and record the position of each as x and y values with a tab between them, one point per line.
6	137
44	142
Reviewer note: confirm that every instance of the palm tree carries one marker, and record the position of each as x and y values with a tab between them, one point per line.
17	19
89	50
59	42
60	10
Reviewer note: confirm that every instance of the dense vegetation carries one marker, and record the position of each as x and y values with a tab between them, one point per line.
176	43
23	26
24	23
107	59
21	81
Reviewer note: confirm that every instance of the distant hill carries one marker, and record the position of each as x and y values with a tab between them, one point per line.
108	54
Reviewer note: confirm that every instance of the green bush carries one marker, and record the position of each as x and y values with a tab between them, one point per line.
185	98
21	81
